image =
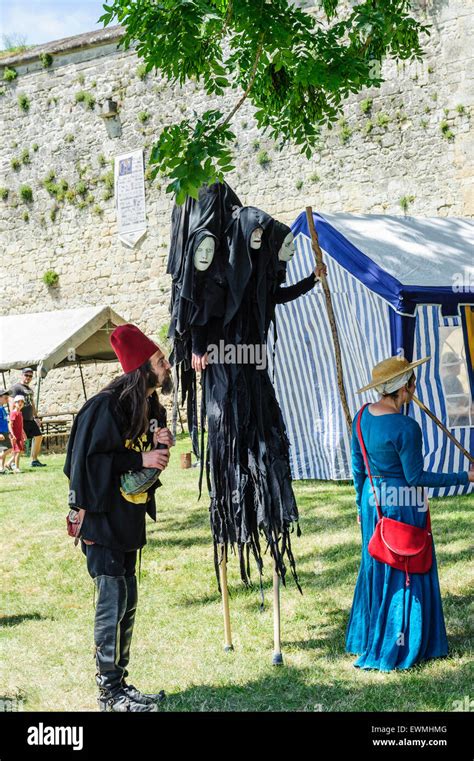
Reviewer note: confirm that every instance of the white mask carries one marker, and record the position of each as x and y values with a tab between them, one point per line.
256	239
204	254
287	250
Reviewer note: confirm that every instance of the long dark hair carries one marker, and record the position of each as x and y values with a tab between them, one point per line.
130	390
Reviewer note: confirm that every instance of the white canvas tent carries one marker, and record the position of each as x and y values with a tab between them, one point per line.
45	340
398	284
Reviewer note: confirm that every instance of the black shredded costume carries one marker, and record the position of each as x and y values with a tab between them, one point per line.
247	454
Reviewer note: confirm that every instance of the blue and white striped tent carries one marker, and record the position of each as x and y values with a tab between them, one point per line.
397	284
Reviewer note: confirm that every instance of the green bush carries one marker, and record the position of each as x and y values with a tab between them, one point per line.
382	119
405	202
15	163
366	105
69	138
26	193
9	74
263	159
368	127
82	96
101	160
4	193
25	156
446	131
143	117
81	188
35	147
24	102
299	184
25	216
50	277
46	60
141	71
345	131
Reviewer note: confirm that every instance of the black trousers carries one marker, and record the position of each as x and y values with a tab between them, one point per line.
113	572
102	561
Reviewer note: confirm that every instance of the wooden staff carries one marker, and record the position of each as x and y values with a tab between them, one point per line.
228	646
277	656
332	320
443	428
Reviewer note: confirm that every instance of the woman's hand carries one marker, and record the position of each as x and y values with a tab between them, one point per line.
163	436
156	458
471	476
320	270
199	363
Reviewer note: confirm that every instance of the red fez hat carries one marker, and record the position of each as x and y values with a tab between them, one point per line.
132	347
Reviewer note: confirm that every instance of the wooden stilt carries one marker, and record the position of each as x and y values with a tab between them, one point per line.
228	646
277	656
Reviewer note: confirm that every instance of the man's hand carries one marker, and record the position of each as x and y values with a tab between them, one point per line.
156	458
320	270
2	437
163	436
199	363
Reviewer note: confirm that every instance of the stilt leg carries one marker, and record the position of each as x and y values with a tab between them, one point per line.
228	646
277	656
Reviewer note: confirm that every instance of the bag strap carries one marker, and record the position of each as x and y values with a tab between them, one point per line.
366	459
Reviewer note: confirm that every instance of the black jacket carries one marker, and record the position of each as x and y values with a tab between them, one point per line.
96	458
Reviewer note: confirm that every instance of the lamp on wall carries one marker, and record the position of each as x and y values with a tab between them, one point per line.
110	115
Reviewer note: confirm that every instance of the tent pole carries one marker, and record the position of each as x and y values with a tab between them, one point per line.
38	392
332	319
443	428
4	381
83	384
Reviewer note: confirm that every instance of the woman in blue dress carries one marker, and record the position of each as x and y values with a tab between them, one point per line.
392	624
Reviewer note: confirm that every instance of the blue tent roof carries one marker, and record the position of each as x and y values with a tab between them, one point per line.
406	260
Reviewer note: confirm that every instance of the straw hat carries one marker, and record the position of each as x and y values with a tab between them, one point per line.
390	368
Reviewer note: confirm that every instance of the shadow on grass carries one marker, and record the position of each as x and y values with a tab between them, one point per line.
20	618
288	688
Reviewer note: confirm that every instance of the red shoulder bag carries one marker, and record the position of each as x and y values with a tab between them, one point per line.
400	545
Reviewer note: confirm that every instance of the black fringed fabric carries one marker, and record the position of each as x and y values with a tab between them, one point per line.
246	461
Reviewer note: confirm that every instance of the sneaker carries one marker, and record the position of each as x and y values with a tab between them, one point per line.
141	697
38	464
121	702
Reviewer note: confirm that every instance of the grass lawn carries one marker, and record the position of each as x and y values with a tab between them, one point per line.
47	608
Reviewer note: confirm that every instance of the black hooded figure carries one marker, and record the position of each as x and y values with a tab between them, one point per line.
247	457
197	296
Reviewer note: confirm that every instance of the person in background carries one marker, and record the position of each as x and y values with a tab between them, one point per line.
31	421
17	433
5	443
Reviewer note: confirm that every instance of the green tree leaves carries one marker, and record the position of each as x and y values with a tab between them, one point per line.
295	69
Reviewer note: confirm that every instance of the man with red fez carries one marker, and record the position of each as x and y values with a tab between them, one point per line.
119	430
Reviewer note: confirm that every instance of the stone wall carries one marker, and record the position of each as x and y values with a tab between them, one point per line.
404	148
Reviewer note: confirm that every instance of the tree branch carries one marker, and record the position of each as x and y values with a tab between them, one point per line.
253	74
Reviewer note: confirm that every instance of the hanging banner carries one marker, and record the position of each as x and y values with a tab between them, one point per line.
130	197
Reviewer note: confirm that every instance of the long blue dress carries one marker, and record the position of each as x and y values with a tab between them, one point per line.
391	625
